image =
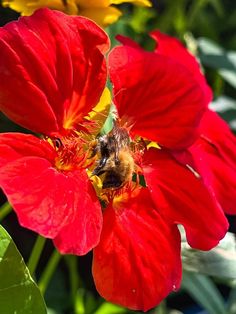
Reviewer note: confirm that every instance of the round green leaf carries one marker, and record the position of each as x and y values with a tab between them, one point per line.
18	292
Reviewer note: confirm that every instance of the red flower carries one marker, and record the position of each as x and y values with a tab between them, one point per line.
52	73
158	98
214	151
214	155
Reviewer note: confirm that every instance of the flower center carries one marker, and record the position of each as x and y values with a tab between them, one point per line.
73	151
112	161
117	164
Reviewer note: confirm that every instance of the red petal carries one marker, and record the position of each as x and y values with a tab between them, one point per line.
157	95
49	63
172	48
137	262
83	231
183	198
214	155
44	199
17	145
126	41
38	195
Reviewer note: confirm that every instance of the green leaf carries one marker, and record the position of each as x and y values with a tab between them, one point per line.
226	107
79	302
18	292
57	295
204	292
216	57
223	104
209	47
219	262
218	6
109	308
140	18
51	311
161	308
122	27
86	303
229	76
231	304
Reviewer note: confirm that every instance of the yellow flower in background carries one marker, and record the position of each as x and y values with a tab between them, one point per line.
101	11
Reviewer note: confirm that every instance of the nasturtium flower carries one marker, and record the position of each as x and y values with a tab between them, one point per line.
159	99
214	155
52	76
101	11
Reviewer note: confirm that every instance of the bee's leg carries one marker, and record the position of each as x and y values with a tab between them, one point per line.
93	152
116	155
99	169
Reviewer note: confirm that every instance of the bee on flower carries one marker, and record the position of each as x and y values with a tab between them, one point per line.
52	80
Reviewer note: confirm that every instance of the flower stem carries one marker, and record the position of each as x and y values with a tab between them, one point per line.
161	309
48	271
35	254
71	261
5	209
75	280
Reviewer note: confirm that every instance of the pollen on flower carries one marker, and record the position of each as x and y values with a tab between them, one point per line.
72	151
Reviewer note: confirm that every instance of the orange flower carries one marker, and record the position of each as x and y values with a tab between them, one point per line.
101	11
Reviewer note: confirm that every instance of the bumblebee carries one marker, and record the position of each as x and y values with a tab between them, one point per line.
115	161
